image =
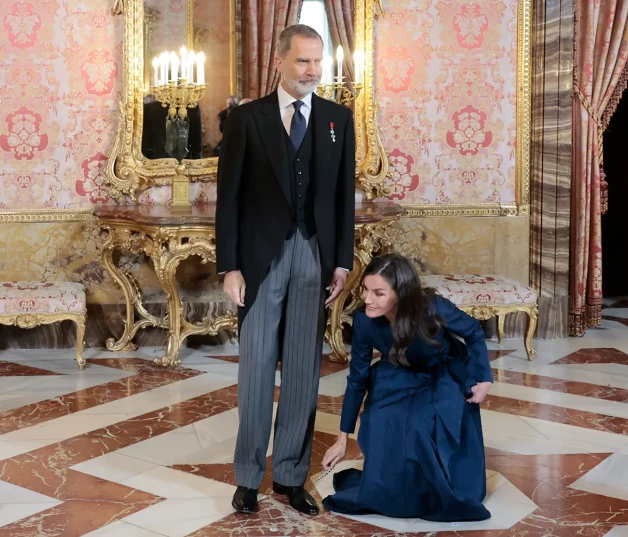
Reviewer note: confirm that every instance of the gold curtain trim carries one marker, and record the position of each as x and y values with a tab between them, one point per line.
600	142
615	99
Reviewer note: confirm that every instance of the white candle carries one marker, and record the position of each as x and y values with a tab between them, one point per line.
327	68
174	67
358	61
155	71
189	67
200	68
164	68
340	56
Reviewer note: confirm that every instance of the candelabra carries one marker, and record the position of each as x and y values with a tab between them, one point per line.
339	92
178	94
335	88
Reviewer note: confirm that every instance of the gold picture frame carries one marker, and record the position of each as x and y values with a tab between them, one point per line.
128	172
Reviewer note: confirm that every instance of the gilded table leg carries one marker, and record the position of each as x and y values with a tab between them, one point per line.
166	268
333	332
531	328
80	341
130	295
500	328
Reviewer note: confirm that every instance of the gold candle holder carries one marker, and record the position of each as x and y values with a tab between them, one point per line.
339	92
179	97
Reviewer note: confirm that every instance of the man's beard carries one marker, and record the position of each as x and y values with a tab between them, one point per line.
303	87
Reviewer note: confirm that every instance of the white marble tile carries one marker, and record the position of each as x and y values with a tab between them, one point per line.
220	453
325	486
12	512
10	449
164	396
569	372
566	400
122	529
218	350
180	517
506	503
163	449
170	483
622	313
218	428
330	423
14	494
65	427
609	478
531	436
618	531
17	502
114	466
334	385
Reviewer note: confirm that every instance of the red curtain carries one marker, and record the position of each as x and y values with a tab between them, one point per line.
262	22
601	55
340	15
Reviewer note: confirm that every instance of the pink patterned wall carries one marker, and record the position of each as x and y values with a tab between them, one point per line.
169	28
446	86
213	20
446	82
60	72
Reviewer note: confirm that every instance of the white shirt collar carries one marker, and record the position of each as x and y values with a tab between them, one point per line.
285	99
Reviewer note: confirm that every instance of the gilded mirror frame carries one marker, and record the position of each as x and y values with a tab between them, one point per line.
129	172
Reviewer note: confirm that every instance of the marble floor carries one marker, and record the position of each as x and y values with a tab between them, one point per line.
125	449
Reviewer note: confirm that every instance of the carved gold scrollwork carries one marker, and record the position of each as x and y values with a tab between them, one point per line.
371	240
166	247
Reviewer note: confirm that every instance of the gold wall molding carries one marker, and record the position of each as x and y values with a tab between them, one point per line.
485	209
46	216
524	105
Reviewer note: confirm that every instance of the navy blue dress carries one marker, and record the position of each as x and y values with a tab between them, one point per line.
422	442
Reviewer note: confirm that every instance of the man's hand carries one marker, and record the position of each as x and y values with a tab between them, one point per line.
479	392
235	287
337	285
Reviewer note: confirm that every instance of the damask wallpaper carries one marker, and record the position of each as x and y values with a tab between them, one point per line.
446	82
446	85
59	92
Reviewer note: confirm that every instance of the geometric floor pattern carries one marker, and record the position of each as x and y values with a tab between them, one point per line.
125	449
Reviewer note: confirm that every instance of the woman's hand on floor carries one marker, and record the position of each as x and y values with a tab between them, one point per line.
336	452
479	392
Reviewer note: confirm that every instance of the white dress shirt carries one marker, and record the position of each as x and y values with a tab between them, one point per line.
286	108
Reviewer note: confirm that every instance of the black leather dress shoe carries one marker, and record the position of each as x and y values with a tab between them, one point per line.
299	498
244	500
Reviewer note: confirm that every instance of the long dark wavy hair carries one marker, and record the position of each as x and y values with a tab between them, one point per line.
413	316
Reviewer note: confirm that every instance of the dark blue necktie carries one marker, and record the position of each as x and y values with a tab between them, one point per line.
298	126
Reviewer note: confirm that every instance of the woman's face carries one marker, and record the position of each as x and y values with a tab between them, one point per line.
379	297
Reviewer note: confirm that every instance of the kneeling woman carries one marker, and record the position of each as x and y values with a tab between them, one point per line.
420	430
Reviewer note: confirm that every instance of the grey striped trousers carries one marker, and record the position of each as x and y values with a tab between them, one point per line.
287	320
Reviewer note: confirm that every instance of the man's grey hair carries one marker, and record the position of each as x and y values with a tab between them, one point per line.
285	39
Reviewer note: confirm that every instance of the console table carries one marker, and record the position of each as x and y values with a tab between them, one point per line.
168	238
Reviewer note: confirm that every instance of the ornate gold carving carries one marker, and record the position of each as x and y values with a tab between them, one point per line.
36	216
128	171
524	105
483	313
166	246
371	159
31	320
370	240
